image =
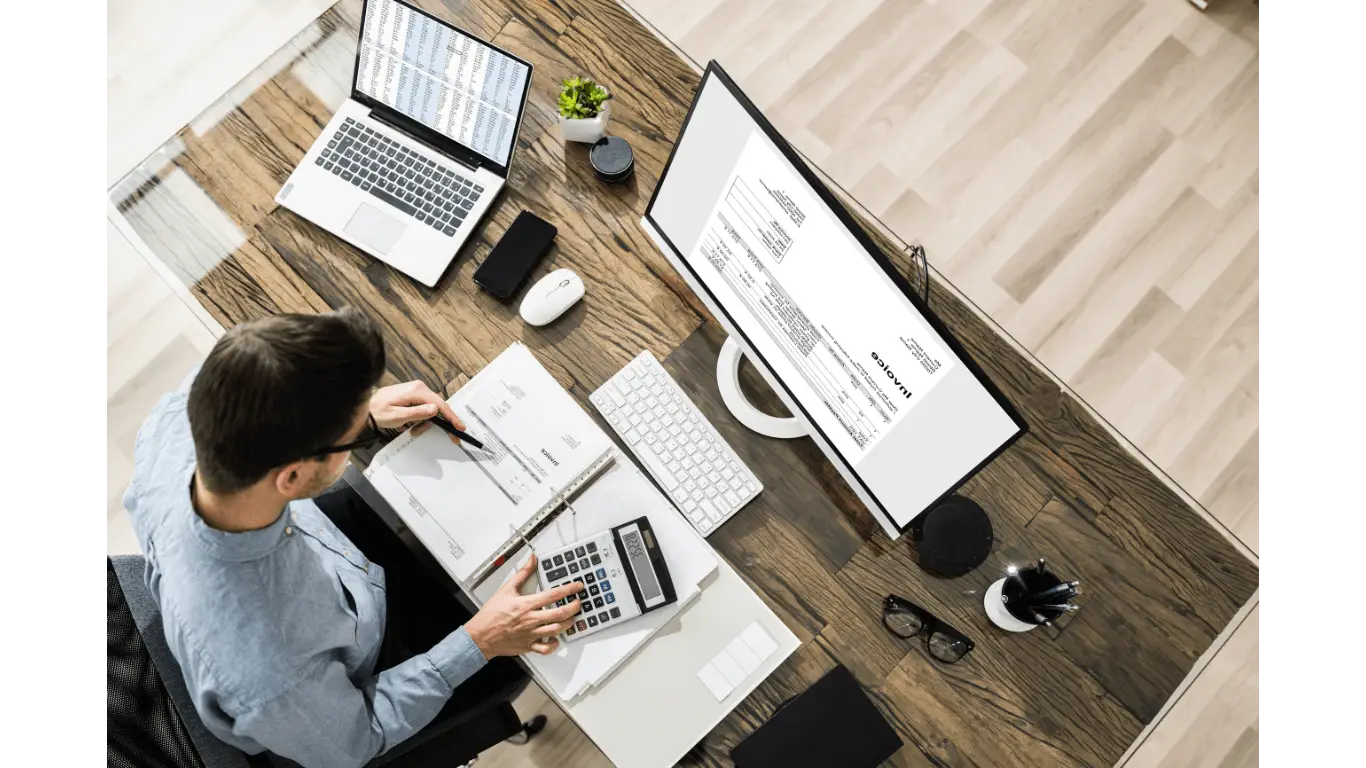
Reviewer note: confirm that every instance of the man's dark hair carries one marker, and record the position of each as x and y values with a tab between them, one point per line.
275	390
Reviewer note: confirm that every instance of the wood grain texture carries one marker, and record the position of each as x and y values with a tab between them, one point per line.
1086	172
1161	583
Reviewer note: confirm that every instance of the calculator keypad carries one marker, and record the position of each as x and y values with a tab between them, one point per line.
588	563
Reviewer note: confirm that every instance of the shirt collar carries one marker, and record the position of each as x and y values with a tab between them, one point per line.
236	547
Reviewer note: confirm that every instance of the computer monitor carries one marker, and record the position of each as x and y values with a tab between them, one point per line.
838	333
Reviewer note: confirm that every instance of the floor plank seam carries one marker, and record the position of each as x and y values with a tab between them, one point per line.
1210	655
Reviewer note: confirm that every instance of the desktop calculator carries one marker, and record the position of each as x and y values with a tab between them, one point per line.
623	574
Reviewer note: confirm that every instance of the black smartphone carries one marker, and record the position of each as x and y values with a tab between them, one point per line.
515	255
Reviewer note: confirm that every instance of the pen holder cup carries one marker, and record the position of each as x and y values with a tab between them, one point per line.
1004	601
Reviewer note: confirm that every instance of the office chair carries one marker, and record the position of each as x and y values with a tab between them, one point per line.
152	721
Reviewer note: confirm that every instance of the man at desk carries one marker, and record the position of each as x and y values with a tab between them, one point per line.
291	639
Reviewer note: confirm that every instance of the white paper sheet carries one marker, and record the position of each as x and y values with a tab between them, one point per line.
737	661
719	686
465	503
746	658
620	495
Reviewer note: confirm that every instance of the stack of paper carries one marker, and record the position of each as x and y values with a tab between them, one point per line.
621	494
466	504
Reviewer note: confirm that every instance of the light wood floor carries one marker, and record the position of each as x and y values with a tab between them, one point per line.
1086	172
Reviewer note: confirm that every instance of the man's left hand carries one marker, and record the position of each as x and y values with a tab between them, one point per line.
401	405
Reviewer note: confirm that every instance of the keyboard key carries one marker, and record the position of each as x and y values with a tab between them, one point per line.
448	231
573	567
559	559
466	204
602	573
346	176
555	574
580	625
592	621
583	595
597	602
616	613
319	161
593	590
605	584
583	563
592	547
478	188
609	597
589	578
595	559
570	631
656	466
580	552
602	617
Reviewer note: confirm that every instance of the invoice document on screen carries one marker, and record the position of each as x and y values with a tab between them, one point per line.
825	318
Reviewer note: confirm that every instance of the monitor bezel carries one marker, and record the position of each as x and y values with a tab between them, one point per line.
437	140
879	258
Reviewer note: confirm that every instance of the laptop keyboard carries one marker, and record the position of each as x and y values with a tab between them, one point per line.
412	182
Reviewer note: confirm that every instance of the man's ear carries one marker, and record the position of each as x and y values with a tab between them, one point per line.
291	478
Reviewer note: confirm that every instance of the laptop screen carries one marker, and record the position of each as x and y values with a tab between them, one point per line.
441	77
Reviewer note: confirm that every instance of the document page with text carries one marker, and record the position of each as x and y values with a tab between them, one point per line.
834	329
465	503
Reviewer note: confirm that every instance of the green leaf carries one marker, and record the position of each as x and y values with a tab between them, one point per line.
581	98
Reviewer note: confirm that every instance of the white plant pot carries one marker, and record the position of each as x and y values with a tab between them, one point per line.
586	131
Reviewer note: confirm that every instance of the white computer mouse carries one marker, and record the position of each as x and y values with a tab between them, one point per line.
551	296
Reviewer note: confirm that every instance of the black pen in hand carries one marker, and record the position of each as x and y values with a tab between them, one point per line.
450	429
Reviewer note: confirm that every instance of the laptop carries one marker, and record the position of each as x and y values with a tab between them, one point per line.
412	161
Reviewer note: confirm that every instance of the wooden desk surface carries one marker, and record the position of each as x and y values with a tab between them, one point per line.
1160	582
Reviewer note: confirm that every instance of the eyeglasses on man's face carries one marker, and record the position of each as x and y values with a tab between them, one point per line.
369	436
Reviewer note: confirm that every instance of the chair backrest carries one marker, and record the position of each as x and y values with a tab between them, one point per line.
151	720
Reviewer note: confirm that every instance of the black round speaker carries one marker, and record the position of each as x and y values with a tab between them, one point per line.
612	159
953	537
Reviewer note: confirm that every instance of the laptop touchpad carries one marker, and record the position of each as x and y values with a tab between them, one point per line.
375	228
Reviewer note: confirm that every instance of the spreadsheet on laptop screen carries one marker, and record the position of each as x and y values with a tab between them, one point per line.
441	78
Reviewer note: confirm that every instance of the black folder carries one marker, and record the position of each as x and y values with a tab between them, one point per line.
832	723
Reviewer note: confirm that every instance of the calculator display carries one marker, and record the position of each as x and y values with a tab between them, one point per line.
640	563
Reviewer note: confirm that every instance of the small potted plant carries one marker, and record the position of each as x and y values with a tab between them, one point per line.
584	110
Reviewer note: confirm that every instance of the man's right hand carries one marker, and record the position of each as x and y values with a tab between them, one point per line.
511	623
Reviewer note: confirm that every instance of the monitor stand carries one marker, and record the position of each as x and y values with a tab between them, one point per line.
728	381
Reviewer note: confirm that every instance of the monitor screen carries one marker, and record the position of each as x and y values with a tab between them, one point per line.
441	77
890	398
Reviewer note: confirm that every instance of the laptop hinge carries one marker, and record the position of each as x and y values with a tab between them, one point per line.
471	162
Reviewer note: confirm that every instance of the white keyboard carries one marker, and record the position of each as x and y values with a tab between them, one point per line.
676	443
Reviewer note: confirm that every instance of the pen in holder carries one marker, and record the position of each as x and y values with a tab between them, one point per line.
1028	597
